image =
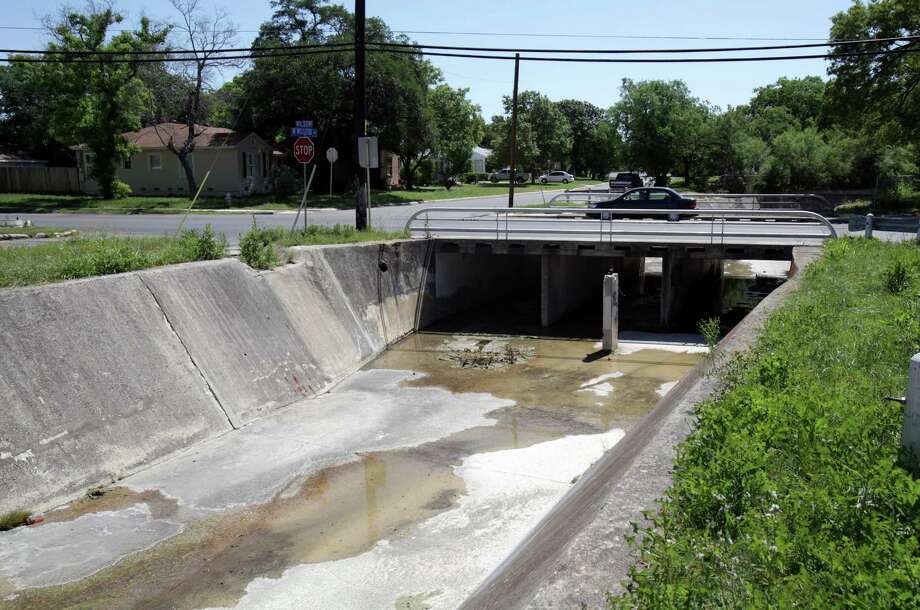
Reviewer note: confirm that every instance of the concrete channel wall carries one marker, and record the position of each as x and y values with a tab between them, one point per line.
100	377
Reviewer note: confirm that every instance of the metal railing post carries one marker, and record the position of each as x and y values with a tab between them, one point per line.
910	428
869	219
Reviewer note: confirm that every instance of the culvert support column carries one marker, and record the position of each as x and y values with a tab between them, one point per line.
611	311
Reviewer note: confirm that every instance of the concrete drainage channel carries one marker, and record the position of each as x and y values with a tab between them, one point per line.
260	446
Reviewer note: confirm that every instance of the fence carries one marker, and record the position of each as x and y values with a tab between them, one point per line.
43	180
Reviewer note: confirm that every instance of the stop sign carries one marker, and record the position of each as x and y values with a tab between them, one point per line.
303	150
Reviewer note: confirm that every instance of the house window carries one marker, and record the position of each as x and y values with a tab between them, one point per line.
250	164
126	163
156	161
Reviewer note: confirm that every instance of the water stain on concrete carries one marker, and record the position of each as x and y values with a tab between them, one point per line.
345	510
112	499
339	512
551	379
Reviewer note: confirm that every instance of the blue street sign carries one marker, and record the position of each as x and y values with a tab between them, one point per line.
303	132
307	124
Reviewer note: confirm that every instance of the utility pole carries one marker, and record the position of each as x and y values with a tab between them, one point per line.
513	174
360	115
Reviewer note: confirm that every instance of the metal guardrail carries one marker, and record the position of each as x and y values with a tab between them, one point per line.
708	226
748	200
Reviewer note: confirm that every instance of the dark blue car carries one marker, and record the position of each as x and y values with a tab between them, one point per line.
645	198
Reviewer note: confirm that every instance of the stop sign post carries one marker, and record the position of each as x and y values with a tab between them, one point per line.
304	152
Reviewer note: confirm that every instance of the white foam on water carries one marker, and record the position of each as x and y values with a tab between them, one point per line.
444	558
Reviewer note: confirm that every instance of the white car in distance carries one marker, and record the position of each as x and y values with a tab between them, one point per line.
558	176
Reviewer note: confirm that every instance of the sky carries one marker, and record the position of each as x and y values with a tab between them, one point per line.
726	84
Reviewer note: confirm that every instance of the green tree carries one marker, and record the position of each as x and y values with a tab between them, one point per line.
585	121
458	125
880	91
95	102
652	117
803	98
279	90
544	137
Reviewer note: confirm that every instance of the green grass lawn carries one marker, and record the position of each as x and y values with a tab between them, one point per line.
25	203
31	230
791	491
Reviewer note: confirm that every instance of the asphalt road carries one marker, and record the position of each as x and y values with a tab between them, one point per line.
390	218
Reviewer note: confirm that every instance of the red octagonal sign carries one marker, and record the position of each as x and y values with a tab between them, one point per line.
303	150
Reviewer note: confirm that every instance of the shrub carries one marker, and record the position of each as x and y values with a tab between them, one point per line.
120	190
902	195
897	277
859	206
205	246
13	519
256	247
284	181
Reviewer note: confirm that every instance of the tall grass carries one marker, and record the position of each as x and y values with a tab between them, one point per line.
91	256
791	491
262	248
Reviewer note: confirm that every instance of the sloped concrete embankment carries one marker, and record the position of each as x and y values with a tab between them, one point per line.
99	377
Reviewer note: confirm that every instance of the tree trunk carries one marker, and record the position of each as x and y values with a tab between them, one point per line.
189	174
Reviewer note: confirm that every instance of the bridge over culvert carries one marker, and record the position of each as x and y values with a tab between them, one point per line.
485	253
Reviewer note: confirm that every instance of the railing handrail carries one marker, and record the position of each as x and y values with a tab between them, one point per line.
712	214
709	196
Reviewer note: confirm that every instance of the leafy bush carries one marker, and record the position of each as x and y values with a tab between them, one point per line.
120	190
790	492
859	206
902	195
257	249
205	245
284	181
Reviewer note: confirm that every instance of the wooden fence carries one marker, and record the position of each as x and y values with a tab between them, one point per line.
43	180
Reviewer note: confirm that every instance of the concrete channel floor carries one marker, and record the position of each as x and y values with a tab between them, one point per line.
403	487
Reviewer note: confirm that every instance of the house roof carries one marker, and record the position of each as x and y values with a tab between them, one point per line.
156	136
483	152
8	153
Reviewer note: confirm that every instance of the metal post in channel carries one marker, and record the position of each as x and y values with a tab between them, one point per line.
611	311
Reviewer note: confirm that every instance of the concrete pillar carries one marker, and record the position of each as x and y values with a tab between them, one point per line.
869	219
690	288
611	311
910	431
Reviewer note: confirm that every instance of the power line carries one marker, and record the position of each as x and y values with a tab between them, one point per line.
80	57
613	36
678	60
213	52
840	43
519	34
218	52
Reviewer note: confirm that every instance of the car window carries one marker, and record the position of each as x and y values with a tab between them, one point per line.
633	196
659	195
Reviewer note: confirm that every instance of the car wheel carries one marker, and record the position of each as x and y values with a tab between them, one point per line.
565	181
543	180
493	180
674	217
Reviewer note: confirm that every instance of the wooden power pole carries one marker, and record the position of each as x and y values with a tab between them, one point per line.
512	177
360	114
